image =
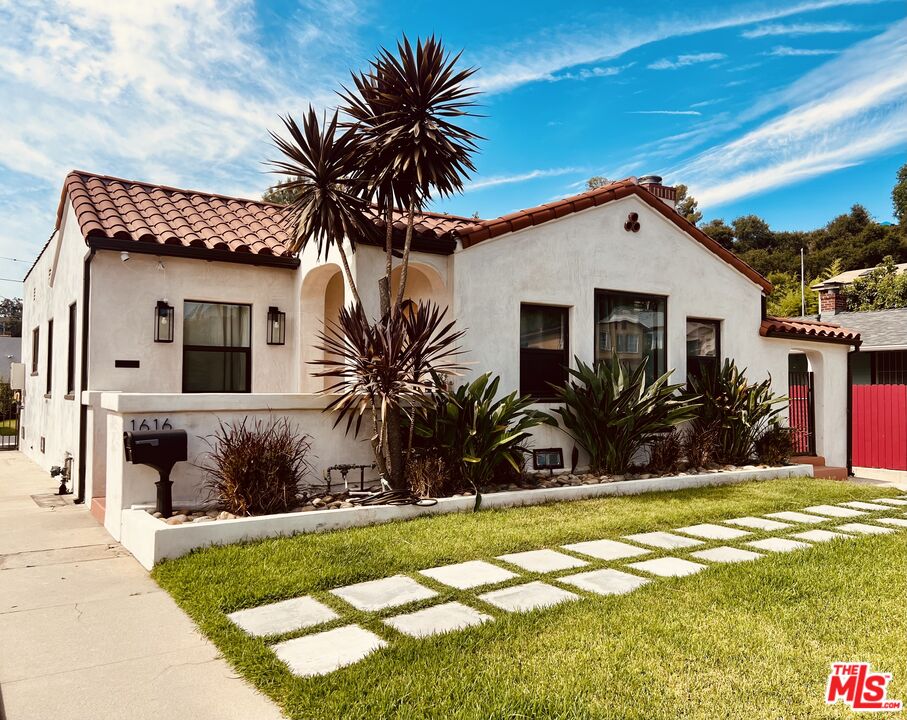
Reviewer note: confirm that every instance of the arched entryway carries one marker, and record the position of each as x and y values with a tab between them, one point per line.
323	294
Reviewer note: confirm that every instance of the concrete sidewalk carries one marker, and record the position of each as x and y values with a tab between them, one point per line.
85	633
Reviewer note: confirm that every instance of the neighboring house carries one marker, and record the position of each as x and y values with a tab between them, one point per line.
153	307
10	352
879	377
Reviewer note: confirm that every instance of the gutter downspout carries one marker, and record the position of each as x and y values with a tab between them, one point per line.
83	373
850	410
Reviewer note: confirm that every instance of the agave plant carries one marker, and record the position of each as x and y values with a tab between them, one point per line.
736	411
327	205
387	366
476	433
613	413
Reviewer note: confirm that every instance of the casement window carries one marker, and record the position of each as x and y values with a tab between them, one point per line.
217	355
543	350
632	327
71	353
35	338
50	356
703	346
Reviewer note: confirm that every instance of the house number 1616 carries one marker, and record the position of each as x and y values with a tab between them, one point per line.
144	424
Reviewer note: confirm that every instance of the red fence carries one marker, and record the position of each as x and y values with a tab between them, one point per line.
800	412
879	426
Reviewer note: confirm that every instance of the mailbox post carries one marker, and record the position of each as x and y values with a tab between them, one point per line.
160	449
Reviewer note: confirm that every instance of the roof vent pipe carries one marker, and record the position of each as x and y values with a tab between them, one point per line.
650	180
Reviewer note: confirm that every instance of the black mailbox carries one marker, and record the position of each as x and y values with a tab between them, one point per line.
160	449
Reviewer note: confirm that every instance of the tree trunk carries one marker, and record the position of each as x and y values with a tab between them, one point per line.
384	284
404	265
349	276
394	449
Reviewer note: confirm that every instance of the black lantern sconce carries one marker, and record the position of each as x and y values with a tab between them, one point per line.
163	322
277	326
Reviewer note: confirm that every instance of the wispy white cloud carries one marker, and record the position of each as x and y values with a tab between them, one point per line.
798	29
707	103
685	60
785	51
843	113
543	57
483	183
663	112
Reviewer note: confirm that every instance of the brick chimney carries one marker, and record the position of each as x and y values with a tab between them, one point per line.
831	299
652	183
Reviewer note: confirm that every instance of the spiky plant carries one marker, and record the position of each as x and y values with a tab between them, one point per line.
328	204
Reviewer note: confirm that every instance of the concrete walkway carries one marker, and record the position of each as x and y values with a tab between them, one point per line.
85	633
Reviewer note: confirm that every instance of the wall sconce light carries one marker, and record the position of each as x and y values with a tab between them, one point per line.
277	325
163	322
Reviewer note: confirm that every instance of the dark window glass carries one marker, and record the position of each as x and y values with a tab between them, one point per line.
703	346
890	367
543	350
71	353
216	347
50	355
35	337
633	328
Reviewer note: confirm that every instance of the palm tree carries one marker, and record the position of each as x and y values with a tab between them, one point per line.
404	109
327	205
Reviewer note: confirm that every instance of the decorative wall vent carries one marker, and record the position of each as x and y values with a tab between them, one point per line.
632	224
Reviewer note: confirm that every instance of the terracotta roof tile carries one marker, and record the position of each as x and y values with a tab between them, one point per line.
808	330
114	208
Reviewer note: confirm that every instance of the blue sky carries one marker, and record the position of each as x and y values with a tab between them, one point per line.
792	111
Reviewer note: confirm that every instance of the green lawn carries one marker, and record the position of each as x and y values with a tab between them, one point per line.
752	640
9	427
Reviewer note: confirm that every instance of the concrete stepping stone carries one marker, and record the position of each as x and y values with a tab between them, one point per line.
437	619
725	554
860	505
778	544
834	511
820	536
668	567
606	582
385	593
664	540
864	529
606	549
283	617
897	522
530	596
713	532
890	501
796	517
324	652
757	523
542	561
465	575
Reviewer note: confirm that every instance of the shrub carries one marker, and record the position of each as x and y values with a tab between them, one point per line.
480	438
735	409
775	445
612	413
256	468
699	446
666	452
429	475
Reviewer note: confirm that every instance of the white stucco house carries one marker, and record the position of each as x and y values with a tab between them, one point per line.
153	306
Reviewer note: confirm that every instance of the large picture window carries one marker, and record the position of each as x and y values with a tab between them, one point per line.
543	350
703	346
632	327
216	347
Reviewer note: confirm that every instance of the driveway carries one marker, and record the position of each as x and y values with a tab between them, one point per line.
85	633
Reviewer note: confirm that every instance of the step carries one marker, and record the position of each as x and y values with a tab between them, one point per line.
99	508
829	473
808	460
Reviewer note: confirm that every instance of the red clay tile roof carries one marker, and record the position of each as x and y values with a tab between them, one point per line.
117	209
486	229
808	330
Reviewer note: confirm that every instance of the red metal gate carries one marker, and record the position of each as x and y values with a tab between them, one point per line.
879	426
801	412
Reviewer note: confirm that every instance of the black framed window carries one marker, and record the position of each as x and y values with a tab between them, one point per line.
35	342
543	349
632	327
71	353
50	356
217	355
703	346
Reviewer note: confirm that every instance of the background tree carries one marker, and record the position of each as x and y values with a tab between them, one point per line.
720	232
280	193
596	181
686	204
11	317
899	195
882	288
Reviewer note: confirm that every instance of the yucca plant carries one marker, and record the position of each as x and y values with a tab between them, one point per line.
478	434
737	411
612	413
